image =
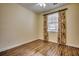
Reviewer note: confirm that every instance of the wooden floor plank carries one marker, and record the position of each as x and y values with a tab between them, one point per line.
41	48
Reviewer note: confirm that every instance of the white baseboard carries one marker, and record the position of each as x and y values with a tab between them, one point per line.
13	46
72	45
76	46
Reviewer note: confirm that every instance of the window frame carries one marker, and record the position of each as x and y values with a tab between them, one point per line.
53	21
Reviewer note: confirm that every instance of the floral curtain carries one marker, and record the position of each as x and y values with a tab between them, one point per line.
62	28
45	28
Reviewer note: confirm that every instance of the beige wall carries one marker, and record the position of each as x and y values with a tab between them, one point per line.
40	26
72	18
53	36
17	26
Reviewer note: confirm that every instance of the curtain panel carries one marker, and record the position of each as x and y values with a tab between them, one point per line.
62	28
45	28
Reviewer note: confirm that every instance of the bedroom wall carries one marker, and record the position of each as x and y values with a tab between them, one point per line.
18	25
72	19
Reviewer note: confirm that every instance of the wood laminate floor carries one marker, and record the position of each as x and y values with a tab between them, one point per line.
41	48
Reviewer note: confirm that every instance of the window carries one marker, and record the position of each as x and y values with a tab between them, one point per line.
53	22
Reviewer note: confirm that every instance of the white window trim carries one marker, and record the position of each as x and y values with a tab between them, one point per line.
49	20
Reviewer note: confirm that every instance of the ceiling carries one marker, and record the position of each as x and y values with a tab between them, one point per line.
35	8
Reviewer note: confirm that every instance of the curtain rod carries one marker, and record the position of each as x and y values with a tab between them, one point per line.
55	11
